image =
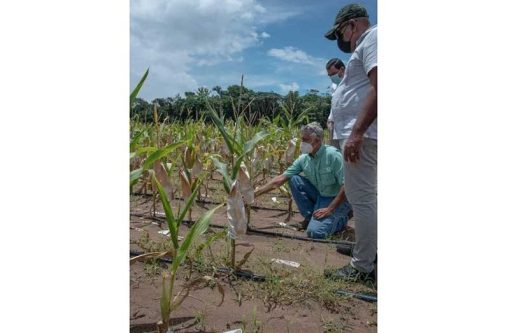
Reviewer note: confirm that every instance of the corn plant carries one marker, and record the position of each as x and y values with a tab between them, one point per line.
154	159
168	302
237	184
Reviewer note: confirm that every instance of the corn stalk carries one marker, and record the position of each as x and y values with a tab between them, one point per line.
168	303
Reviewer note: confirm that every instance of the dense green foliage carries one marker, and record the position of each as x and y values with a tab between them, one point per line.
255	105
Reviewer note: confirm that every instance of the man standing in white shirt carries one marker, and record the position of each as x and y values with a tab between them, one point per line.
356	127
335	70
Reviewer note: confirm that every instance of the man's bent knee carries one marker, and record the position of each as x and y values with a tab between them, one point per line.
296	182
316	233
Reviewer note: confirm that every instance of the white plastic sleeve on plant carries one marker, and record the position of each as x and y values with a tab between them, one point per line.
289	153
236	216
245	186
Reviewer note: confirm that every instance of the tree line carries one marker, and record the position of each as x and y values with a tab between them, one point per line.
232	101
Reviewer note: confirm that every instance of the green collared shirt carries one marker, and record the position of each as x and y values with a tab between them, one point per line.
324	170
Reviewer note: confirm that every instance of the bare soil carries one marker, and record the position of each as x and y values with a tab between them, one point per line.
287	302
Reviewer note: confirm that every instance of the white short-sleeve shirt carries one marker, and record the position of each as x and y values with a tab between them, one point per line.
348	98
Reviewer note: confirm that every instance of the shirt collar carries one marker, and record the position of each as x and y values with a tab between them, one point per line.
319	152
364	34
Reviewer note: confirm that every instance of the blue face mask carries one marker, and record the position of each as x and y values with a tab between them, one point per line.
336	79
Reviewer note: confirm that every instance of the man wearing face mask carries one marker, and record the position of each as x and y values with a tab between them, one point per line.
319	194
335	70
356	128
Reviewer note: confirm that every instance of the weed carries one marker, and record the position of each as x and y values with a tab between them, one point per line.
286	286
256	325
152	268
253	325
332	326
199	321
149	245
279	246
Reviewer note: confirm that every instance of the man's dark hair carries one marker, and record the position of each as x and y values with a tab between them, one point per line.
337	63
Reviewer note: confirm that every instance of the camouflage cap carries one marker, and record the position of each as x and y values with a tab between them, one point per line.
346	13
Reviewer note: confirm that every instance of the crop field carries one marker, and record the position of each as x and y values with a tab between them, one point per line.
208	257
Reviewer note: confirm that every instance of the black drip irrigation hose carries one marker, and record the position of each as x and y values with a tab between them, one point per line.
307	239
257	231
208	202
362	297
248	275
244	274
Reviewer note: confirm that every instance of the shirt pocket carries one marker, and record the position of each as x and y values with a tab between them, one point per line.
327	178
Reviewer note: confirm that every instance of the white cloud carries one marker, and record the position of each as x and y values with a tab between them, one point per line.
289	87
292	54
171	37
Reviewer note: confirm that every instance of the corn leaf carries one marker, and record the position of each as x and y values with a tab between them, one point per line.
135	175
250	145
245	258
189	203
163	178
178	299
302	118
222	169
189	157
237	166
134	93
197	229
143	150
185	185
171	223
221	127
136	139
197	168
161	153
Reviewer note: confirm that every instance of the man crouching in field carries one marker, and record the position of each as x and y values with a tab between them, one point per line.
319	194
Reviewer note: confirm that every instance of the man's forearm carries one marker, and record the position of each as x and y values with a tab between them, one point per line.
272	184
264	189
340	197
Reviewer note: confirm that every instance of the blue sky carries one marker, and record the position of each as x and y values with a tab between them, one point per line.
278	45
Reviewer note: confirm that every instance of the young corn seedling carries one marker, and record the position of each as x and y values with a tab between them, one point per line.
168	302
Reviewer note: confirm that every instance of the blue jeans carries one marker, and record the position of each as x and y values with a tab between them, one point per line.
308	200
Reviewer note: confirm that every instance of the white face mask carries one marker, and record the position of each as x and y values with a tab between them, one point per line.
306	148
336	79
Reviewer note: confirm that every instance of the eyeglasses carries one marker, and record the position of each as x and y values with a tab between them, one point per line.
338	32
